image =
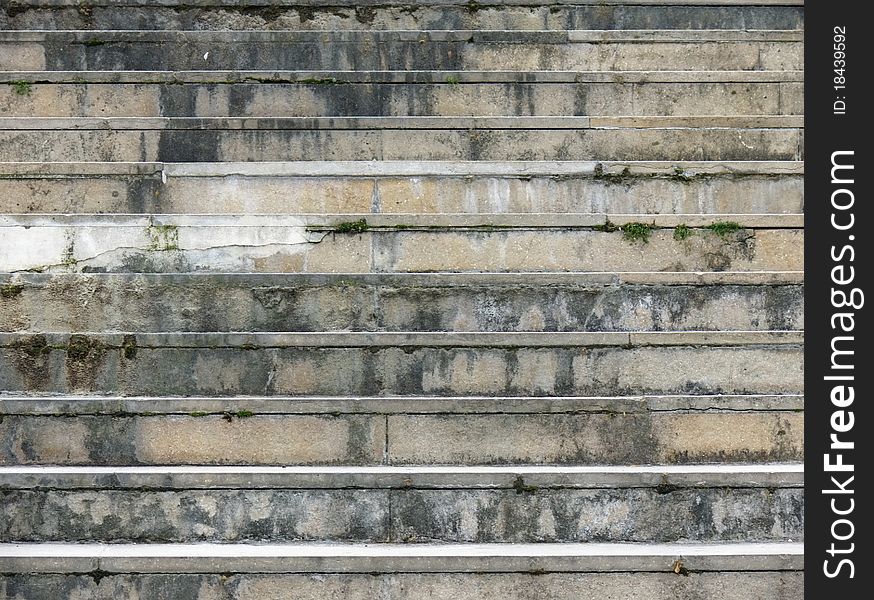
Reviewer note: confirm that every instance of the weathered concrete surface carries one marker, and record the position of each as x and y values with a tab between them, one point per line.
765	585
217	145
229	439
272	303
178	245
611	438
525	515
11	404
606	438
464	191
662	478
388	15
587	50
228	516
415	99
101	558
592	516
31	364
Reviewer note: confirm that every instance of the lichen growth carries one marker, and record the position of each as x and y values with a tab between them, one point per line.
321	81
129	346
612	178
11	290
680	175
522	488
163	237
33	346
81	347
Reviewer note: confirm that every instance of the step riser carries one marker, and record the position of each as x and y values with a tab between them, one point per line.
485	144
322	405
616	438
438	371
96	54
776	585
446	99
133	305
426	194
404	516
289	249
383	365
413	17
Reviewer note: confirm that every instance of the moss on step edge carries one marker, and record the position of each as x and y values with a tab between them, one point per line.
11	290
724	228
163	237
359	226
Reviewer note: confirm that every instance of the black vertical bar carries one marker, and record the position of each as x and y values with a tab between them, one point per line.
838	265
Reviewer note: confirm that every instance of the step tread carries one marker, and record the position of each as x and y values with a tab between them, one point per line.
14	404
514	37
401	168
436	76
415	122
244	340
398	221
488	3
591	557
380	477
518	279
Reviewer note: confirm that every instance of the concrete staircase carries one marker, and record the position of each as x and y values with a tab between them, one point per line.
385	300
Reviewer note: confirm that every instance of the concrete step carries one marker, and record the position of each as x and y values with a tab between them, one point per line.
401	302
400	243
387	14
581	438
394	93
396	430
406	187
731	571
402	138
587	50
406	505
70	405
443	364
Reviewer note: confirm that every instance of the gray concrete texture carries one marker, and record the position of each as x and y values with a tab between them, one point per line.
217	145
83	303
683	193
415	50
766	585
447	98
171	248
588	438
385	15
216	367
525	515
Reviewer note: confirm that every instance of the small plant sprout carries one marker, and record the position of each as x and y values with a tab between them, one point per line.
682	232
636	232
724	228
21	88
